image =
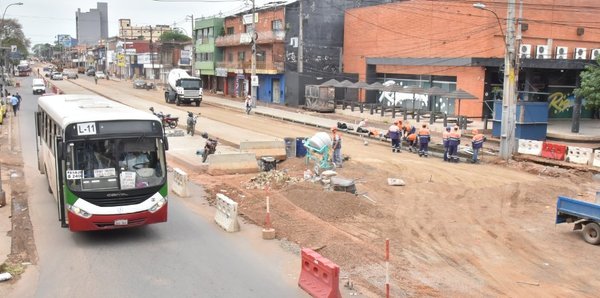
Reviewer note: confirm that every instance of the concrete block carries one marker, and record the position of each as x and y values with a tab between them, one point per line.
227	213
268	234
232	163
275	149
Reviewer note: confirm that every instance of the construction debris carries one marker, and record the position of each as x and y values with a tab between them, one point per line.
272	178
396	182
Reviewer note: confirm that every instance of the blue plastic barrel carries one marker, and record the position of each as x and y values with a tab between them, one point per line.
300	149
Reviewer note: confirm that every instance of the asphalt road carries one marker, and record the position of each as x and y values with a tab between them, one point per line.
189	256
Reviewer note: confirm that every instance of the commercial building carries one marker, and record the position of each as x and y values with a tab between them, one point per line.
129	32
453	45
206	54
92	26
237	54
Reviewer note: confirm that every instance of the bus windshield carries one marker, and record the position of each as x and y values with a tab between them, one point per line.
114	164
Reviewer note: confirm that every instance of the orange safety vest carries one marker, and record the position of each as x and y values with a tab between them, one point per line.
412	137
445	135
424	132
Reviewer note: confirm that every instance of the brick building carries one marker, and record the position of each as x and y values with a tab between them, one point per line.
452	45
235	44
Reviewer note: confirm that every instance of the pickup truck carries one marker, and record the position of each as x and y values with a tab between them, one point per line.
584	215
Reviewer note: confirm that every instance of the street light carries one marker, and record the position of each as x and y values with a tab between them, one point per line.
507	136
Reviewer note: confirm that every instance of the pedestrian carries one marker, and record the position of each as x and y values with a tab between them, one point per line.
248	104
477	143
96	80
14	101
394	134
424	137
445	136
19	98
337	147
453	142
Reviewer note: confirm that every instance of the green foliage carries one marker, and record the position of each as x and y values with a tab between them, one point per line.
589	88
13	35
174	36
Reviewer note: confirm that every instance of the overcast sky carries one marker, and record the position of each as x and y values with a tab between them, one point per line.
42	20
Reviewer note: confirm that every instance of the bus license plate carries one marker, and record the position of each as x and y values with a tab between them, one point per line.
121	222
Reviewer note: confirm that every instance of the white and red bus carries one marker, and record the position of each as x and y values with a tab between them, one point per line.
104	162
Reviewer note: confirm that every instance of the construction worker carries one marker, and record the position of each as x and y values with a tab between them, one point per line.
362	126
408	129
424	137
337	147
412	142
453	142
477	143
445	136
394	134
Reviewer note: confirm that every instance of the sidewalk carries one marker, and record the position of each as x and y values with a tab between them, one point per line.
558	130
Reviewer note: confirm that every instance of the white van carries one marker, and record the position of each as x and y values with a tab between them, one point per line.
38	86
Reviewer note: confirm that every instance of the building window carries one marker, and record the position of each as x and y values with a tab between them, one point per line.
230	57
261	56
248	28
276	25
241	56
229	30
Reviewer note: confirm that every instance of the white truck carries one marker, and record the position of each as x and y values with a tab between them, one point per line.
183	88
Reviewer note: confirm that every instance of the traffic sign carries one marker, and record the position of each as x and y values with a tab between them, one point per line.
254	81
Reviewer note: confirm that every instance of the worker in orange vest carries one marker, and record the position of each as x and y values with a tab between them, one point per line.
424	137
394	135
412	142
453	142
445	136
477	143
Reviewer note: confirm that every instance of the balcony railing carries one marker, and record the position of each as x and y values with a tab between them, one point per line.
264	37
261	66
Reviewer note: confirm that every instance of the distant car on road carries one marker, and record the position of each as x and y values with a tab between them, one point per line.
72	75
139	84
38	86
90	72
100	75
56	76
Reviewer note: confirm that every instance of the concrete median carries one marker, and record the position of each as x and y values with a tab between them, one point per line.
275	149
232	163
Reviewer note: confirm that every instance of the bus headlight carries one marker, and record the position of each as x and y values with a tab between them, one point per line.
159	204
78	211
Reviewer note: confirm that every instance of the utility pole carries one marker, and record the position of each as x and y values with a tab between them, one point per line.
152	54
507	134
300	38
193	45
254	33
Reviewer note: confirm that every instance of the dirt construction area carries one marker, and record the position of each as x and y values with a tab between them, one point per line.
455	229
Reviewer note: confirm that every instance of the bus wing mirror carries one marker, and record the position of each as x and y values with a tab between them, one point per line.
60	148
166	143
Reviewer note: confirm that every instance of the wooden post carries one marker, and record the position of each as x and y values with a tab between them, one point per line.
387	268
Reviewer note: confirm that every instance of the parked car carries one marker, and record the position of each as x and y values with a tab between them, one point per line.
90	72
57	76
100	75
72	75
38	86
139	84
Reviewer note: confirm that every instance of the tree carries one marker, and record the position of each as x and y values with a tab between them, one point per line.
13	35
43	50
589	88
174	36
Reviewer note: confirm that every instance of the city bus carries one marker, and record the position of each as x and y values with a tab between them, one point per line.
104	162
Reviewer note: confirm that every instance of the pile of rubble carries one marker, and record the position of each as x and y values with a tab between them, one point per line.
274	178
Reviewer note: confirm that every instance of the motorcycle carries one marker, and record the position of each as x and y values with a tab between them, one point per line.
209	148
167	120
191	123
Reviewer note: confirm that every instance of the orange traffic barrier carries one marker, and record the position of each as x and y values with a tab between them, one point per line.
319	276
554	151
